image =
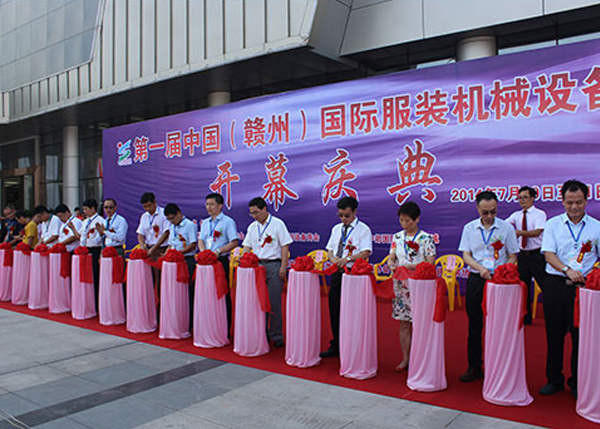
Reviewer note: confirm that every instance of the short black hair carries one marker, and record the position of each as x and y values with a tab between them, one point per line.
61	208
91	203
148	197
20	214
486	196
257	202
214	196
532	192
346	202
410	209
40	209
574	186
171	209
111	199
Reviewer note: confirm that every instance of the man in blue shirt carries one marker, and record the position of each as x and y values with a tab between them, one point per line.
218	233
477	244
570	246
183	236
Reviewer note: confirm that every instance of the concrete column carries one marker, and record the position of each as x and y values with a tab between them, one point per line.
475	47
38	171
219	88
217	98
71	166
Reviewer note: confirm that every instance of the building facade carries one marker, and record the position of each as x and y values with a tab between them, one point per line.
71	68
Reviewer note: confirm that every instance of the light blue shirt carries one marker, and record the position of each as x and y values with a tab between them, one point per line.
478	240
222	223
116	230
566	243
183	235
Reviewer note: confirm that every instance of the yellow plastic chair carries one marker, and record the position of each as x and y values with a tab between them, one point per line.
536	292
378	266
319	257
127	252
449	277
234	260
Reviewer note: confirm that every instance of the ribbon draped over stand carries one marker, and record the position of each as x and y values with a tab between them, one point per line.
83	301
250	260
38	278
118	264
176	257
8	254
141	301
20	274
208	257
65	259
86	273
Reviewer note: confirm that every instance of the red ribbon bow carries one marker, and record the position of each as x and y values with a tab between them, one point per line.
207	257
497	245
138	254
427	271
86	274
118	264
303	263
249	260
175	256
508	274
8	254
24	247
592	282
65	259
42	249
585	248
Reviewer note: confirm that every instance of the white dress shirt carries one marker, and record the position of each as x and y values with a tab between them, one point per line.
263	247
116	230
66	232
148	222
358	238
90	237
183	235
536	219
51	228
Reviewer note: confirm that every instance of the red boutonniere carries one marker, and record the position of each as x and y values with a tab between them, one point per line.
268	239
182	240
216	234
497	245
585	248
350	248
90	232
12	229
413	245
111	230
65	230
156	229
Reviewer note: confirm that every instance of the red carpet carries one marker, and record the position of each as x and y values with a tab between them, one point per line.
557	411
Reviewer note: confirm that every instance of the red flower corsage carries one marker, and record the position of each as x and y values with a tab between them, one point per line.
585	248
65	230
90	232
156	229
413	245
268	239
182	240
497	245
350	248
216	234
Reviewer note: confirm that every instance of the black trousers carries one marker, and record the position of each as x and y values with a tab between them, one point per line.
224	260
335	297
559	299
96	252
531	266
191	264
475	284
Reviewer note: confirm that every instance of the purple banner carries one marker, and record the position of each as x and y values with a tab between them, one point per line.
435	136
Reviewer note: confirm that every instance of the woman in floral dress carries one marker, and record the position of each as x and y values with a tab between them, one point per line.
410	247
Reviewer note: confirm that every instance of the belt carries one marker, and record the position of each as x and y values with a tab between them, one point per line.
527	252
268	261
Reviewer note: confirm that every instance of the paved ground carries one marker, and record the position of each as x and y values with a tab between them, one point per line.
55	376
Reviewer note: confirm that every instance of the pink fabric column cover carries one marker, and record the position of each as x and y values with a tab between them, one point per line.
174	305
59	289
110	301
83	301
38	281
210	313
250	337
504	355
5	279
588	378
20	278
303	326
358	328
141	304
427	369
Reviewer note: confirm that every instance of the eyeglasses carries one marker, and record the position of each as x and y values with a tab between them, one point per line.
344	215
109	207
491	212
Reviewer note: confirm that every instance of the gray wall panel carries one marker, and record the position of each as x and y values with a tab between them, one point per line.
35	96
234	25
134	27
277	20
84	79
120	42
18	101
297	13
442	16
73	76
26	98
163	35
107	46
63	87
96	67
329	24
148	42
255	32
180	32
44	93
53	90
214	28
553	6
196	29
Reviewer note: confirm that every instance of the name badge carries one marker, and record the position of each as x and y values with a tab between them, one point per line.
577	266
488	262
209	243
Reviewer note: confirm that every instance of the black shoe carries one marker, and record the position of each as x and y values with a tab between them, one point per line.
330	352
278	343
527	319
574	393
471	374
551	389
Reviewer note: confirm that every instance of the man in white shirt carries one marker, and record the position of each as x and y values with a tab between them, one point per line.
114	228
479	242
529	225
350	240
89	237
70	223
153	230
50	227
571	246
269	239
